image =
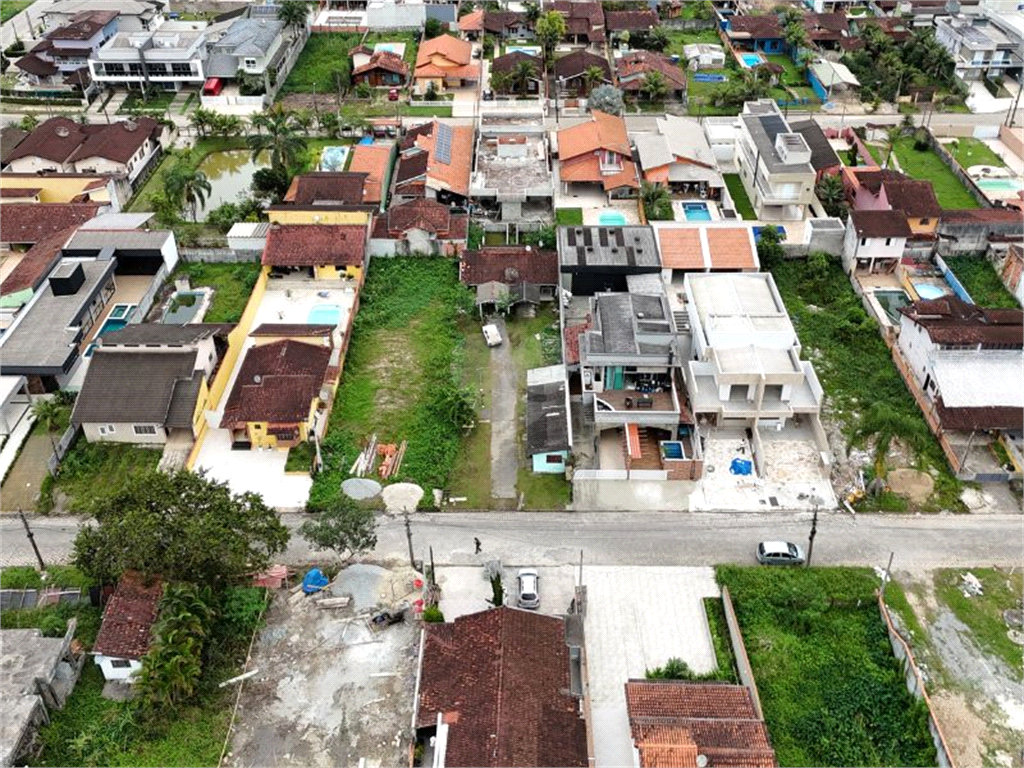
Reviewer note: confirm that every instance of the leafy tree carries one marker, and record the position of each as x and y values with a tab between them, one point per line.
364	90
832	196
28	122
329	124
187	186
165	210
303	120
549	30
270	184
501	82
654	86
593	77
228	214
607	99
656	200
279	140
294	14
346	528
656	39
522	74
704	10
430	94
434	28
790	15
769	249
532	10
183	527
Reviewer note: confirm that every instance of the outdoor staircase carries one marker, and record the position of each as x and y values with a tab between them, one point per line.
682	321
649	456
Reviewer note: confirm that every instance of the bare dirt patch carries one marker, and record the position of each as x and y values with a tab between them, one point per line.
396	370
912	483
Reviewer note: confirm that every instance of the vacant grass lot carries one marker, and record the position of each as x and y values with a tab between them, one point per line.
979	277
984	613
92	469
322	59
831	689
928	166
739	196
970	151
232	285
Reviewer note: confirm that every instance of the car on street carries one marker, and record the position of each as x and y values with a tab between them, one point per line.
779	553
529	588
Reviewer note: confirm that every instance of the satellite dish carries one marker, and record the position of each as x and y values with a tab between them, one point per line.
257	379
702	761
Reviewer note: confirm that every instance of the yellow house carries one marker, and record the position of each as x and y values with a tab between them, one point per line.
64	188
445	61
316	214
282	393
328	251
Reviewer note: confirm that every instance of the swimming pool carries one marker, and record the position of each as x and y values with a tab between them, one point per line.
891	301
611	219
324	314
121	311
696	212
118	318
111	324
928	291
333	158
751	60
999	185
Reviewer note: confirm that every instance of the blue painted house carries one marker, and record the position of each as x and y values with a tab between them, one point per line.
547	419
756	33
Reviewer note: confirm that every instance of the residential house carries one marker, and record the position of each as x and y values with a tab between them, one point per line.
127	628
1010	266
65	50
60	145
980	49
597	152
477	671
436	162
445	62
832	79
253	47
756	33
111	190
679	157
507	66
38	675
826	30
24	224
419	227
508	25
978	230
383	69
10	137
677	722
883	189
774	163
633	67
513	172
132	15
874	242
149	383
596	259
571	71
967	360
170	58
704	56
471	25
322	252
375	161
347	190
617	22
745	370
547	419
584	21
824	159
721	246
282	394
498	272
892	26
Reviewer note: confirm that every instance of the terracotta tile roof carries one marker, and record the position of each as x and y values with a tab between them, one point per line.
765	27
731	248
914	198
277	383
412	167
951	320
572	340
31	222
373	160
581	18
501	680
630	21
672	699
83	28
20	191
632	67
578	62
10	137
61	140
458	52
499	21
297	330
508	264
425	214
35	65
880	224
603	131
983	216
453	175
508	62
129	617
472	22
308	245
967	419
343	188
680	248
37	262
385	60
412	134
872	178
826	26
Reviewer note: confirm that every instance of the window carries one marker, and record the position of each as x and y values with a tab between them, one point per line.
134	69
924	221
250	63
106	429
120	663
553	458
181	69
863	241
888	241
144	429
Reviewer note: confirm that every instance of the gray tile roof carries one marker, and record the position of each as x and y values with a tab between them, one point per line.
141	334
183	401
137	387
221	65
249	37
546	425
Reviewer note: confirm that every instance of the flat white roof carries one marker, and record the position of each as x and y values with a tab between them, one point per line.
979	379
741	303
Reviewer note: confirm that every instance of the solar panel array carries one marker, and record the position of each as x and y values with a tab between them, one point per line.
443	148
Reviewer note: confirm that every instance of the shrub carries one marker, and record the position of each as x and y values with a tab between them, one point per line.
433	615
20	577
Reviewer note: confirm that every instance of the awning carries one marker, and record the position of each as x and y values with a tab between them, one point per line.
633	440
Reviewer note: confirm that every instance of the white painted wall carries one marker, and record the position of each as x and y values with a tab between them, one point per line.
110	672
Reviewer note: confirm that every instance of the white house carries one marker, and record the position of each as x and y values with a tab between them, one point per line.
128	619
132	15
874	241
170	58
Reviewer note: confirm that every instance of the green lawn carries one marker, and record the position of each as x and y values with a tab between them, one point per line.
831	689
739	196
700	95
411	40
569	216
90	469
984	613
927	165
969	151
159	101
11	8
232	285
877	152
979	277
679	38
324	57
793	74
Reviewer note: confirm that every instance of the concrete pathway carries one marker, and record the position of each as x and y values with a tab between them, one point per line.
21	489
17	437
504	454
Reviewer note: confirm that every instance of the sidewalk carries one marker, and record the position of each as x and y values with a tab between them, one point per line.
17	437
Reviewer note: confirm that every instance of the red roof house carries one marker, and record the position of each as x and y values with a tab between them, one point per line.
126	631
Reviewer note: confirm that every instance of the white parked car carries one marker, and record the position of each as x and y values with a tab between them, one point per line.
492	335
529	588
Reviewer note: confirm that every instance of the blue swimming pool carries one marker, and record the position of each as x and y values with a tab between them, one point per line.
324	314
333	158
611	219
752	60
118	318
111	324
697	211
928	291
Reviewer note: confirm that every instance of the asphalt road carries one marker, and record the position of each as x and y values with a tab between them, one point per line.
636	538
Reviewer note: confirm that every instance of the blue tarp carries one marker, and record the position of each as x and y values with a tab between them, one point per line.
314	581
740	466
708	77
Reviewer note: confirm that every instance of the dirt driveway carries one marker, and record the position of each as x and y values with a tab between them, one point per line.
330	691
504	451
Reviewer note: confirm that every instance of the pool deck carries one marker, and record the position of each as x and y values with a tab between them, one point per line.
679	210
129	289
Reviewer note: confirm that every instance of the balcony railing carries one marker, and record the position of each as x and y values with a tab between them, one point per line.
619	405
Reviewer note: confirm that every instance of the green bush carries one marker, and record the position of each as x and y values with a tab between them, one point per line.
432	614
54	619
20	577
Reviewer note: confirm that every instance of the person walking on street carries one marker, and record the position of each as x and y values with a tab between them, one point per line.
476	543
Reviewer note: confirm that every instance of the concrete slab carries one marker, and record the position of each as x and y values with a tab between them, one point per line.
671	495
637	619
465	590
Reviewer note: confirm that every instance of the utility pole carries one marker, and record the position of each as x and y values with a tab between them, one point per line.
814	532
408	536
31	540
888	570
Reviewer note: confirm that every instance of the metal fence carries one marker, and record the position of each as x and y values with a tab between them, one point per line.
61	449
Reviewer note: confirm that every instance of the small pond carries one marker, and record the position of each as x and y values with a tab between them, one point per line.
230	172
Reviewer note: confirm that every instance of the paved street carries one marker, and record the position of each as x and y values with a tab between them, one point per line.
637	538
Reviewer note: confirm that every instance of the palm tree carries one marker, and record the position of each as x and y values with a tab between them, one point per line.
796	36
654	86
303	120
832	196
188	187
202	119
522	74
892	135
50	414
593	77
329	124
280	140
806	59
532	11
656	200
227	125
549	29
293	13
501	82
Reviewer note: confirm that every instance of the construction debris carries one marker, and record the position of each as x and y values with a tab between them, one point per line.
333	602
390	456
366	460
970	585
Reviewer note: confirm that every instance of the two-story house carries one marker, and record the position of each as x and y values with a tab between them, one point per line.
597	259
132	15
171	58
584	21
251	47
597	153
881	189
679	157
980	49
445	62
774	163
874	242
508	25
66	50
435	162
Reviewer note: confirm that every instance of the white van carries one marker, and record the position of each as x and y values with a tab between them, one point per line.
492	335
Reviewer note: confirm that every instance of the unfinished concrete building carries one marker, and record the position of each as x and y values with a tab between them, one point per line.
512	174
